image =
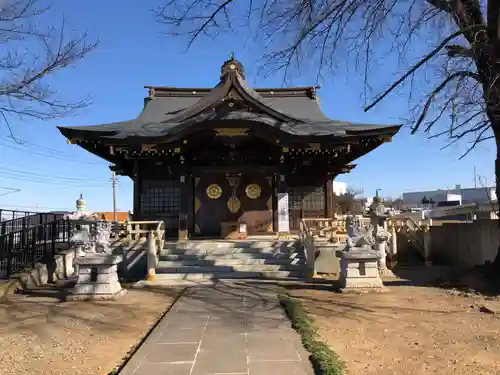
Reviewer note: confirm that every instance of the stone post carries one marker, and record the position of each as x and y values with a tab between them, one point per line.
394	241
380	246
311	256
427	244
152	258
81	206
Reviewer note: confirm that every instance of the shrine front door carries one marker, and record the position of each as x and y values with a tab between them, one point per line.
233	197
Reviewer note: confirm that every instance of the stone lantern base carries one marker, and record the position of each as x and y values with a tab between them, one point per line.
97	278
359	270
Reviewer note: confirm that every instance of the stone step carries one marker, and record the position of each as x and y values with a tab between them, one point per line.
167	267
165	255
230	275
223	251
169	262
214	244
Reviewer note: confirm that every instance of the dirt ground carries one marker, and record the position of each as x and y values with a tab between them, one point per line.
409	330
41	335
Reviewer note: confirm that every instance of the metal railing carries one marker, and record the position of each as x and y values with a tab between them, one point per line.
14	221
24	248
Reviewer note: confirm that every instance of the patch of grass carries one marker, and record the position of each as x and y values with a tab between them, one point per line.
324	359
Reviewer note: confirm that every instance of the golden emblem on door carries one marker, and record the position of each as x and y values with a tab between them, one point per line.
214	191
233	204
197	205
253	191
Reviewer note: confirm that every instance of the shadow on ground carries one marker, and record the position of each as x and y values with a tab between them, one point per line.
477	280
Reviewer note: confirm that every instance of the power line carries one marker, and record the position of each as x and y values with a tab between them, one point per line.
9	190
47	176
49	154
36	206
14	176
56	184
21	142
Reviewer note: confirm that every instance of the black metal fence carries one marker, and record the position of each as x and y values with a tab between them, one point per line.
24	246
14	221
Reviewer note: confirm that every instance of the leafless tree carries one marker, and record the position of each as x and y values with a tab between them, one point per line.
452	46
30	54
348	203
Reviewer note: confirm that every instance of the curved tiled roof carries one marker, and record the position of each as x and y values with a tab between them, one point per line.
169	110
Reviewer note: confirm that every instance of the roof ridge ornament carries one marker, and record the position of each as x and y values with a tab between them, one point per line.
232	66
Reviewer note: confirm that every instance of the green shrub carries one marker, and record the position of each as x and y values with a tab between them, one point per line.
324	359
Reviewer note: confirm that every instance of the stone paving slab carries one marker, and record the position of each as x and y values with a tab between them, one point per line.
235	328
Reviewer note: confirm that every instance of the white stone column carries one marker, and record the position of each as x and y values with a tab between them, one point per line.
394	241
152	258
380	245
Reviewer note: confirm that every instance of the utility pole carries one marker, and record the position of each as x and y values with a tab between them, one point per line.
475	179
113	183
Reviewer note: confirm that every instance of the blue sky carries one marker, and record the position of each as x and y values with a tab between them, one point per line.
133	52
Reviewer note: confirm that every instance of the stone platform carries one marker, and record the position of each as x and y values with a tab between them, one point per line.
359	270
97	278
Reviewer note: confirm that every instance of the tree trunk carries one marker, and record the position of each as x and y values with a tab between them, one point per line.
491	89
496	262
495	125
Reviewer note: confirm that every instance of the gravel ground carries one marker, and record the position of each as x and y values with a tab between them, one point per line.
408	330
41	335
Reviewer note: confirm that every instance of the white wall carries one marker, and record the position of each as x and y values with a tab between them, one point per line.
478	194
339	188
468	195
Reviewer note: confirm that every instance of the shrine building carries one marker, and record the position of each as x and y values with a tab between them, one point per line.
205	158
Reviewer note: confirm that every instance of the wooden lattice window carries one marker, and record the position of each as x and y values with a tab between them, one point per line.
313	198
306	198
161	197
294	198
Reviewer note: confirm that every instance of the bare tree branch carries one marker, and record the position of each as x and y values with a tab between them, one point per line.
460	77
412	70
441	86
455	50
30	54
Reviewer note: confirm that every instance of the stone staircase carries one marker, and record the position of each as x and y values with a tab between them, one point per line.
225	259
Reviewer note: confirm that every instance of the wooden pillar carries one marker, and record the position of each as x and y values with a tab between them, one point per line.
275	202
183	216
136	177
329	197
189	193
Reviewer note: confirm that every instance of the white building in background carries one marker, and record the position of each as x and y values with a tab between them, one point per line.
339	188
457	196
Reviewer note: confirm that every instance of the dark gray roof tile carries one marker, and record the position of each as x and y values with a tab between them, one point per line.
296	112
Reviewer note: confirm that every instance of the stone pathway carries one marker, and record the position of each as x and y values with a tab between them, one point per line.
234	328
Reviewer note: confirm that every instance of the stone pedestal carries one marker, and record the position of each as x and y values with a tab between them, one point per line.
359	270
326	261
97	278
